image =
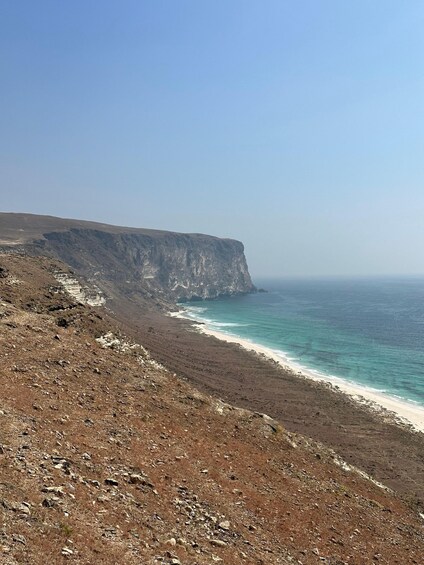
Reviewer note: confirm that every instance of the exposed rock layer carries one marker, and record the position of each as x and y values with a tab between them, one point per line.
167	265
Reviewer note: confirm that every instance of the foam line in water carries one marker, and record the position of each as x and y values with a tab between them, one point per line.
412	413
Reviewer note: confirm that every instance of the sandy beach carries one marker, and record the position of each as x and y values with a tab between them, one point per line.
363	433
404	411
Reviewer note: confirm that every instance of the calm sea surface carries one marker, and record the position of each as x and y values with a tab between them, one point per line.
370	332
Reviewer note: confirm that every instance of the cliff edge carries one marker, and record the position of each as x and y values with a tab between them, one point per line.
163	265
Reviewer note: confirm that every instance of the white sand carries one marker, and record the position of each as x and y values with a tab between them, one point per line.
403	411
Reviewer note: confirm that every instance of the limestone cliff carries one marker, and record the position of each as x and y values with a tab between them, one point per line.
167	265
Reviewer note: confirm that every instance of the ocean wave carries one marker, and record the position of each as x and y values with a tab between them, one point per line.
195	309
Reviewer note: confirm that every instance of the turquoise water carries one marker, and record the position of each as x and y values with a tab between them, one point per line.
369	332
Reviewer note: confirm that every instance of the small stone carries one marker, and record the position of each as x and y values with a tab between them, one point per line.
136	479
181	541
111	482
225	525
49	502
67	551
218	542
171	541
55	490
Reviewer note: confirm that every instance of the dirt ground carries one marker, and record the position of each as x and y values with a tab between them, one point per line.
108	457
376	444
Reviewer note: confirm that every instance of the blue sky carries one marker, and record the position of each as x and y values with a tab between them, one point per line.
296	127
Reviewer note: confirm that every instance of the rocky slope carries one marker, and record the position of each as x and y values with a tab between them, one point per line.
164	265
106	457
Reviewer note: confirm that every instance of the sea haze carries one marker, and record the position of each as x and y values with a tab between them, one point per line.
367	331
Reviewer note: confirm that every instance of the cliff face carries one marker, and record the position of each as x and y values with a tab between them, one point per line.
175	266
164	265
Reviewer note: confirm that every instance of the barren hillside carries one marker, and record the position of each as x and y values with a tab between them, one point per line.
106	457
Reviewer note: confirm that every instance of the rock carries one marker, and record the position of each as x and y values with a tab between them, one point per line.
182	541
55	490
218	542
225	525
171	541
66	551
62	322
25	509
50	502
136	479
111	482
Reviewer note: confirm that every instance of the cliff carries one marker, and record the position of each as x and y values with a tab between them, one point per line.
159	264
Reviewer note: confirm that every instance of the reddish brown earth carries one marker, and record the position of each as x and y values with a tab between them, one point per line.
106	457
375	443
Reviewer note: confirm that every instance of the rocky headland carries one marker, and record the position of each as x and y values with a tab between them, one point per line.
151	264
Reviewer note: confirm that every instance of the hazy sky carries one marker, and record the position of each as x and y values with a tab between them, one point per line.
295	126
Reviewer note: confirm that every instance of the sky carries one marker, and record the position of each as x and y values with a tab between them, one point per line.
294	126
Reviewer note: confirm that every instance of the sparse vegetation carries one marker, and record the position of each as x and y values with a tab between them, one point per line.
107	460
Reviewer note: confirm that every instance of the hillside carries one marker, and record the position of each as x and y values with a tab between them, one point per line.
107	457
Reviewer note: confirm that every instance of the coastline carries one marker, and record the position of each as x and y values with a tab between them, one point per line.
373	441
401	411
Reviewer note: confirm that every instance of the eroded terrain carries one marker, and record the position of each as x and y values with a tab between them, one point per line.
107	457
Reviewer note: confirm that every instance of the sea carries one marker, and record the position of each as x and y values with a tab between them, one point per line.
369	332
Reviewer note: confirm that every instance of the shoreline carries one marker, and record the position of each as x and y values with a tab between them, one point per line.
401	411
